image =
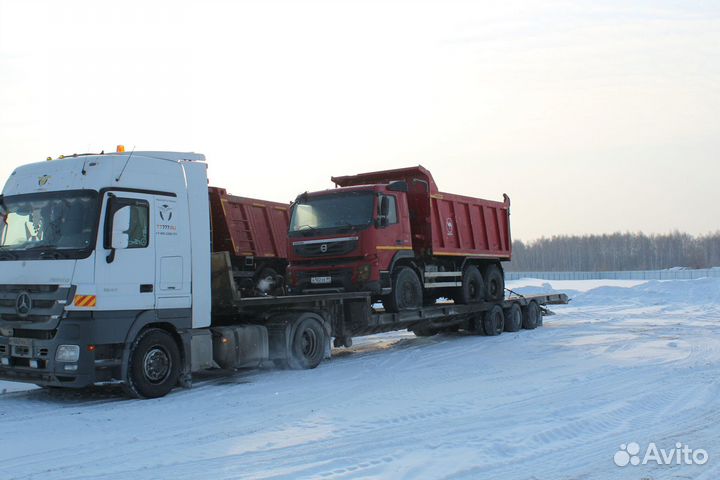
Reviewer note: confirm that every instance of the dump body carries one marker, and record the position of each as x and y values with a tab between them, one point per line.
442	223
248	227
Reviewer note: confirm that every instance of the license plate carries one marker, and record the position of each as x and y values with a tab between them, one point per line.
20	342
320	280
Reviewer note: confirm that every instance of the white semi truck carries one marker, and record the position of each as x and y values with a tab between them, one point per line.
108	276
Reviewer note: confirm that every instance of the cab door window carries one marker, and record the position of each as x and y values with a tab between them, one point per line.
392	216
138	231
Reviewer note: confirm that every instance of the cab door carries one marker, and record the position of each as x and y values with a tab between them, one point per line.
393	234
125	270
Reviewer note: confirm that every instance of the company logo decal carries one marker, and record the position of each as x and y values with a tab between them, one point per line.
165	226
23	304
42	181
450	227
166	212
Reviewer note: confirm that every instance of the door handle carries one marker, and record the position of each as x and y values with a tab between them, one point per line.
146	288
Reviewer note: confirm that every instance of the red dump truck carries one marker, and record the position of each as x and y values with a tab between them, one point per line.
254	233
394	234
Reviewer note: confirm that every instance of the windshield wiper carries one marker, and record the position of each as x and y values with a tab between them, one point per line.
345	226
51	251
306	228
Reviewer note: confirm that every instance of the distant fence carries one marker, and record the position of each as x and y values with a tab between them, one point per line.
620	275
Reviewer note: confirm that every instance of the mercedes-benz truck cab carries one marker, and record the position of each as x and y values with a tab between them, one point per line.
95	249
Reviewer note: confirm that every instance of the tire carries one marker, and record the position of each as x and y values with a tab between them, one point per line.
513	318
494	321
531	314
307	347
473	287
494	284
407	292
154	365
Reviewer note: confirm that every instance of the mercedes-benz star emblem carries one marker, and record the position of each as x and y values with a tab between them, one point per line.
23	304
323	247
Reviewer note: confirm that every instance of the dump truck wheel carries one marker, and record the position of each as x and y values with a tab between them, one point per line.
407	292
473	288
513	318
267	281
494	321
494	284
307	347
531	313
154	366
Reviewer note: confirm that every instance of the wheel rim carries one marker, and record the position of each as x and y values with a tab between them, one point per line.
498	322
157	364
408	295
309	343
472	289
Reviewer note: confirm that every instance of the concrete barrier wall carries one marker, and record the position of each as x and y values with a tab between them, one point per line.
621	275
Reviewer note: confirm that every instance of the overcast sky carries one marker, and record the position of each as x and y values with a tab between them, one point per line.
593	116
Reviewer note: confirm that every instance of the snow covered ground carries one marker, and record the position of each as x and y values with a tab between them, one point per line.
624	362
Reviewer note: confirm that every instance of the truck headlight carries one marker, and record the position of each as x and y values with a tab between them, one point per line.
363	272
67	353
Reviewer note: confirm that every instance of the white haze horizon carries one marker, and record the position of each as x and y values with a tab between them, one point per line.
593	118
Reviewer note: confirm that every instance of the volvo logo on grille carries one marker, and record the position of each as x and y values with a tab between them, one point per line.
23	304
323	248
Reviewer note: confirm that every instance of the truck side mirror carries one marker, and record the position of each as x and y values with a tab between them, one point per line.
382	219
121	228
384	206
117	227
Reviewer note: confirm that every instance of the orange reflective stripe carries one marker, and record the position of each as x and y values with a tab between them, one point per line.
85	300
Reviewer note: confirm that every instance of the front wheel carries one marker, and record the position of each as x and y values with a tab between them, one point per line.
407	292
154	366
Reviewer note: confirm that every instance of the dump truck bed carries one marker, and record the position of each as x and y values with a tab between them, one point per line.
248	227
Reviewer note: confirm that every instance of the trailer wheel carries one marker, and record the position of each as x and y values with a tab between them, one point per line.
425	332
154	366
531	313
472	289
307	347
494	284
407	293
494	321
513	318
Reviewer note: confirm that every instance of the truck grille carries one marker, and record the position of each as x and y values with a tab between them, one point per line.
46	302
321	249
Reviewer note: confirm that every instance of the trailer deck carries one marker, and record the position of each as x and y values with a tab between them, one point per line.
355	314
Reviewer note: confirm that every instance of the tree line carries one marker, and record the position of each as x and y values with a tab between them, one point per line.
617	251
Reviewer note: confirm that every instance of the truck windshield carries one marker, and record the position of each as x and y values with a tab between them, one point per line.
48	225
332	213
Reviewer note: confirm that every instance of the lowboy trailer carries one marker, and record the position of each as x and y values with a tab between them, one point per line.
111	273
